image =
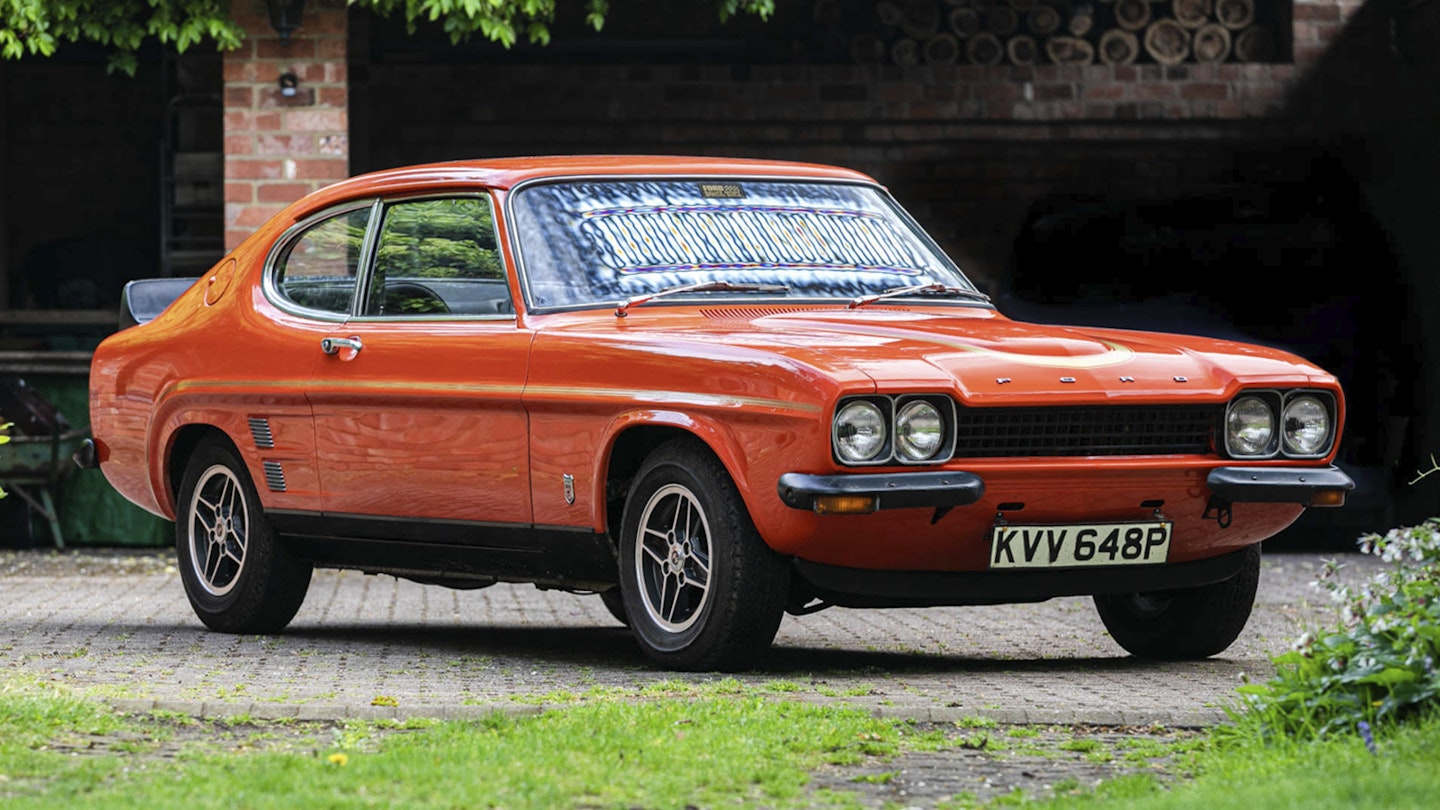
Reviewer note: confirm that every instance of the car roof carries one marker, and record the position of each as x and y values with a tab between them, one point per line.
506	173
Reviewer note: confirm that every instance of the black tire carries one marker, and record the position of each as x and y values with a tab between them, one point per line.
236	573
1184	623
729	621
615	603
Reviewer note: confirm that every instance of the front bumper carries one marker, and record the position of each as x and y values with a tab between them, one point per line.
1299	485
925	490
949	489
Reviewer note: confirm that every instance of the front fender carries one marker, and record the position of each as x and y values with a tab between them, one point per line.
754	458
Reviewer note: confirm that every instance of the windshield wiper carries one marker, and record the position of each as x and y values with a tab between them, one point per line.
918	289
622	309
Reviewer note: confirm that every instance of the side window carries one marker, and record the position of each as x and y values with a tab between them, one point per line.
319	270
438	257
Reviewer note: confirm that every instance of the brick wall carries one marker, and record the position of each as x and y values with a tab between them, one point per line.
967	148
279	148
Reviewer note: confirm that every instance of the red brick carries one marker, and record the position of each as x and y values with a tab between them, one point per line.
1199	90
239	145
1317	11
236	70
282	192
998	91
1054	92
275	98
335	73
239	121
299	48
267	122
1103	90
331	48
320	21
238	97
269	72
1099	110
321	169
1152	90
239	193
252	169
1127	73
334	97
234	236
250	216
285	145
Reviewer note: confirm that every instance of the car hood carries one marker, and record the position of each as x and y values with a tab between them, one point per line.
984	355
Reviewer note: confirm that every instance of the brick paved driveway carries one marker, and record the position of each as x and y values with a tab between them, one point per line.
118	626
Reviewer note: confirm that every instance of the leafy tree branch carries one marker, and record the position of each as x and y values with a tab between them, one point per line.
38	27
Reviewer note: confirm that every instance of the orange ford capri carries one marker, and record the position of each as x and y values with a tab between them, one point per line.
711	391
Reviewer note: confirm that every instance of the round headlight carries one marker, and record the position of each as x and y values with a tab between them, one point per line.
919	431
1249	427
1307	426
859	432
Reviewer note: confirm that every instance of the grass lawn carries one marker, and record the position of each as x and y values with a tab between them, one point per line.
718	745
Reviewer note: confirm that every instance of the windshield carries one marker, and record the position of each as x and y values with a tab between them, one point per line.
602	241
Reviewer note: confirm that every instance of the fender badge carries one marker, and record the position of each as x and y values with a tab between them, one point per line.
569	488
1127	379
1181	379
1002	380
1067	379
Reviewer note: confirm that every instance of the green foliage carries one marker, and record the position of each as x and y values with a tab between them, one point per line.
1378	665
39	26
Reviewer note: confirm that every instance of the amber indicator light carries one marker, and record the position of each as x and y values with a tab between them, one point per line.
1328	497
845	505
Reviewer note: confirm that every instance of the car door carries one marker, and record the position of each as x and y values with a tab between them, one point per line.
420	433
311	281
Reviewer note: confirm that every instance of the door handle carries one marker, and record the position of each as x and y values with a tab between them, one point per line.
333	345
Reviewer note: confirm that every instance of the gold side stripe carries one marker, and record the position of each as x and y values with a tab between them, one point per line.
623	394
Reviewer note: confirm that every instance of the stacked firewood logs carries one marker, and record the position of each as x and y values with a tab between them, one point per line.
1066	32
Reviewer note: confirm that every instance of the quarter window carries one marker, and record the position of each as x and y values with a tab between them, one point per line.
319	269
438	257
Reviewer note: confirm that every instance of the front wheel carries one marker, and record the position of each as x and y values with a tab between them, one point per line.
238	577
702	591
1184	623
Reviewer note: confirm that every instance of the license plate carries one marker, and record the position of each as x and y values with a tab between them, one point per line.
1078	546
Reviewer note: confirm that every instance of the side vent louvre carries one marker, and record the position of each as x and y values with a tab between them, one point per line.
260	432
274	476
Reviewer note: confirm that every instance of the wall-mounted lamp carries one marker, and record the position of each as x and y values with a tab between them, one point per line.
285	17
289	84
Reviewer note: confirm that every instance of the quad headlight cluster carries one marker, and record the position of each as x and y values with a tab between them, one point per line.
1293	424
906	429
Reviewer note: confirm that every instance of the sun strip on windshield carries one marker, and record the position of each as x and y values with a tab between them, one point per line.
653	239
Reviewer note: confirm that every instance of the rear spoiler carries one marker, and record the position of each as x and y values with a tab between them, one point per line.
144	299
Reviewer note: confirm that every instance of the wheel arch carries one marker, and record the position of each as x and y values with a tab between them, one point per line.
182	445
633	438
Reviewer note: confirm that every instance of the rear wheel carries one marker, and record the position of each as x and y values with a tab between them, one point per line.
1186	622
238	577
701	589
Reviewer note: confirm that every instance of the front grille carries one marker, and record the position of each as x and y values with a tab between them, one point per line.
1103	430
